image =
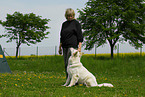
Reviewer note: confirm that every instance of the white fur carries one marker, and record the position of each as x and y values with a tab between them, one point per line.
77	73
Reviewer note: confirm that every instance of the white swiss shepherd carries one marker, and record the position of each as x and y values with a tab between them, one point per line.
77	73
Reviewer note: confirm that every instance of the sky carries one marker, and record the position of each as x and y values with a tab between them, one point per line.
50	9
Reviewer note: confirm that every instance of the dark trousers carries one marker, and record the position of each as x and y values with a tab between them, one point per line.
66	55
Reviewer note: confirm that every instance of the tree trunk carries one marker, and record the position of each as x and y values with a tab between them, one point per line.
112	46
17	50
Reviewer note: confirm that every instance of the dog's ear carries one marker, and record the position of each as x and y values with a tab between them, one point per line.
71	49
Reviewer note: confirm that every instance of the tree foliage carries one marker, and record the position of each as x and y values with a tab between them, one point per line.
113	21
25	29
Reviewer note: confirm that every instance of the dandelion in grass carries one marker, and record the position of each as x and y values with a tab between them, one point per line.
16	85
29	79
51	77
35	75
80	84
39	77
25	73
64	77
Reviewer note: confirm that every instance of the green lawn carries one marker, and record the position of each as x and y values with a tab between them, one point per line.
43	77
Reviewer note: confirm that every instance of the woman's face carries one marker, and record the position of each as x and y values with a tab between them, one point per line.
70	17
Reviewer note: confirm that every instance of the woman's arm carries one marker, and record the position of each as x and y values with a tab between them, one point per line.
80	46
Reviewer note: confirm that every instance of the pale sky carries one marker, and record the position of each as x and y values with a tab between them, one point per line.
51	9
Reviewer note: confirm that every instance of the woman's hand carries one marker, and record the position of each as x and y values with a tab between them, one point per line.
79	49
60	49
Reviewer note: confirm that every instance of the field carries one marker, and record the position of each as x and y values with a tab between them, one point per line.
43	76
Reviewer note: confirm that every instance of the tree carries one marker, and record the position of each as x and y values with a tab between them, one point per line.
113	21
25	29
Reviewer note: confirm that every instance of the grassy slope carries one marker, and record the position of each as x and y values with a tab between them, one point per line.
44	76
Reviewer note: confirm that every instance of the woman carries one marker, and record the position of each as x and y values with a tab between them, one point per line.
70	36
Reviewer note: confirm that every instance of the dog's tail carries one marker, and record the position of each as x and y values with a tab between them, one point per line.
105	85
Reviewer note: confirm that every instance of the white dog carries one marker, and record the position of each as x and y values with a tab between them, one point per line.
77	73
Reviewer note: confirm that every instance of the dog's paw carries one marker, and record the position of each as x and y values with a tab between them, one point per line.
63	85
68	86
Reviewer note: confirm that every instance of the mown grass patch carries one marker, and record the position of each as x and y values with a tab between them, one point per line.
43	77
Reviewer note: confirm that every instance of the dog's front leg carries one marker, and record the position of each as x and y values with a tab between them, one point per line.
67	81
73	80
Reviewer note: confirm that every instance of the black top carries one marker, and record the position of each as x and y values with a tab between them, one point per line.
71	34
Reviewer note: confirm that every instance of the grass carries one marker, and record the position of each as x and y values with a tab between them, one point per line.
43	77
